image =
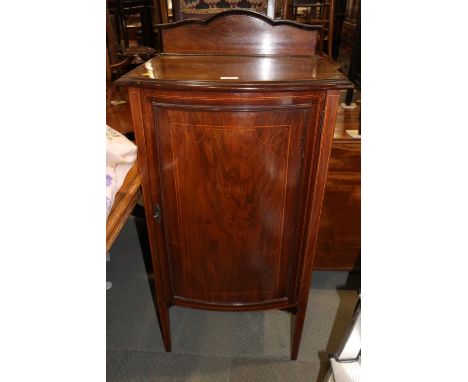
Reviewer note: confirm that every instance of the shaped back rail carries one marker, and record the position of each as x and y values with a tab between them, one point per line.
231	32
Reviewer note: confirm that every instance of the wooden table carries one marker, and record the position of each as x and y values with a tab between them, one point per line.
124	202
234	125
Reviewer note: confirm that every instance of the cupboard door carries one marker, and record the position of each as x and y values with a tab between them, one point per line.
230	183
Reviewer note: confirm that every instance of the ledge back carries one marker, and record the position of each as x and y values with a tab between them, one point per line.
239	32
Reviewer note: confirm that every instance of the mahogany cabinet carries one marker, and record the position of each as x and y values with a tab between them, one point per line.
234	124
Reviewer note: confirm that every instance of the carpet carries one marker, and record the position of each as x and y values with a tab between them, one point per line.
216	346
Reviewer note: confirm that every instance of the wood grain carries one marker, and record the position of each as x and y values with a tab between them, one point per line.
124	202
239	32
339	244
313	207
244	72
233	170
163	292
218	206
339	239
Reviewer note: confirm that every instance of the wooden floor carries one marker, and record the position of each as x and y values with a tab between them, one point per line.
339	241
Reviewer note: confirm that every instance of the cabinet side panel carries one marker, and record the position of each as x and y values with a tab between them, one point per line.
147	155
316	197
314	206
162	285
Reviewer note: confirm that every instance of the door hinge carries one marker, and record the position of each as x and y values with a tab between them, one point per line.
157	214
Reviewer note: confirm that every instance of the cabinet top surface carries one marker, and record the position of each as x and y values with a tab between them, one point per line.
238	50
236	71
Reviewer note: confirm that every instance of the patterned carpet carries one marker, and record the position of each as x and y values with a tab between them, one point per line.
216	346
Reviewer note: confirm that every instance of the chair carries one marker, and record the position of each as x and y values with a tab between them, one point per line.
137	13
118	61
115	61
120	16
321	12
315	7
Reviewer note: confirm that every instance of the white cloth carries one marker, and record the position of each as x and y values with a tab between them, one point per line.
121	154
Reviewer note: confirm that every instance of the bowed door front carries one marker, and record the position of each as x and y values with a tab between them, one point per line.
231	177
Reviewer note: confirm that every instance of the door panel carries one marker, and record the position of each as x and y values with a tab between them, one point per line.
230	183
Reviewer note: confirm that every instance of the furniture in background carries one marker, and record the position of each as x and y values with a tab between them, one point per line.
160	12
117	108
339	17
120	55
234	126
321	12
136	13
354	73
129	33
118	113
203	9
120	59
314	8
115	61
348	30
339	238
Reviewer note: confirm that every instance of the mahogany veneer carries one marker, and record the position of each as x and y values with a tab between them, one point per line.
234	142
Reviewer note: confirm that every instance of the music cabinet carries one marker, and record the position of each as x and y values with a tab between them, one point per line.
234	124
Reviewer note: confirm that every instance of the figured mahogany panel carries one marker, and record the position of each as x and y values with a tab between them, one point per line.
239	32
230	178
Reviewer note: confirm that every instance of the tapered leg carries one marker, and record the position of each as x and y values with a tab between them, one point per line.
297	326
331	105
165	326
